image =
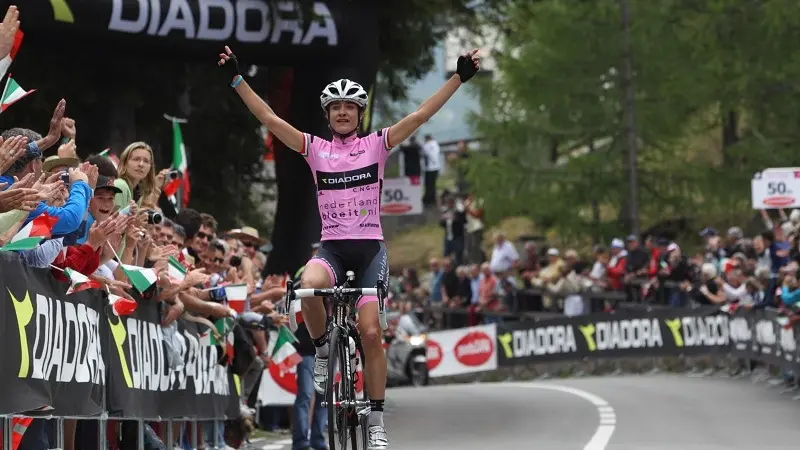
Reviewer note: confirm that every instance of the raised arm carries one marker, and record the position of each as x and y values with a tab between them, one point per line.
467	67
287	134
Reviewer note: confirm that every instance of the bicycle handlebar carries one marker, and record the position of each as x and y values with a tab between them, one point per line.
379	291
303	293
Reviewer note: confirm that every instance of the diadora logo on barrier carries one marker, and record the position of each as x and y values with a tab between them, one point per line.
474	349
740	333
708	331
622	334
434	354
66	342
765	334
550	340
251	21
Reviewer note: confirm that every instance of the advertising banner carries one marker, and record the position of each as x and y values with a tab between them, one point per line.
267	32
62	354
52	352
401	196
660	332
464	350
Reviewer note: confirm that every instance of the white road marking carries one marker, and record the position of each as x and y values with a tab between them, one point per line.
608	419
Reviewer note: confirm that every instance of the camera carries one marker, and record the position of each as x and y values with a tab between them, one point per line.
153	217
64	177
236	261
174	174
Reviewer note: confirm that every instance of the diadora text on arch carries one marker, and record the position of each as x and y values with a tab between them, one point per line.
249	21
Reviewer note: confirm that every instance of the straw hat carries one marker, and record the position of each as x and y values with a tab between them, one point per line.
56	161
246	234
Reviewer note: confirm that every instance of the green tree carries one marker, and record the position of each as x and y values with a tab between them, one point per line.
714	103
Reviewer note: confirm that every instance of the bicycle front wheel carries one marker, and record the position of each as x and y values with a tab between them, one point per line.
337	390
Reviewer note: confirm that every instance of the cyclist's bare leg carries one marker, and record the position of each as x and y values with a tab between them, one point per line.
374	357
315	276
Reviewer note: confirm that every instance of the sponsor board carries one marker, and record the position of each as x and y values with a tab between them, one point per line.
464	350
619	335
401	196
776	188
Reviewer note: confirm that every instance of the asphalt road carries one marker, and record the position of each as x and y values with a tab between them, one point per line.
649	412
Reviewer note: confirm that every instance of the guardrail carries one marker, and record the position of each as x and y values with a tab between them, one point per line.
755	335
71	356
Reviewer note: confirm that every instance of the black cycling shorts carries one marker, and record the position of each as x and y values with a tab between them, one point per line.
366	258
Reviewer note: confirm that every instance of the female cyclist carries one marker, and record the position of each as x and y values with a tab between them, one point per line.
348	172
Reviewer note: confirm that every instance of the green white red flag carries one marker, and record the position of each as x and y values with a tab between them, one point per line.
32	234
179	163
80	282
284	355
12	93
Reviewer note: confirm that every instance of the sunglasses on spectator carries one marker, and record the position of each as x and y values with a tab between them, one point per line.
201	235
249	244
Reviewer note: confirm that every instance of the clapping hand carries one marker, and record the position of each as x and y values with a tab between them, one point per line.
22	199
54	132
11	150
8	30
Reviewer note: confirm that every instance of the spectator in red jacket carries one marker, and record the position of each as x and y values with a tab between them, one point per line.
617	264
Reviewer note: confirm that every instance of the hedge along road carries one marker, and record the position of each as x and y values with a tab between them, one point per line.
615	413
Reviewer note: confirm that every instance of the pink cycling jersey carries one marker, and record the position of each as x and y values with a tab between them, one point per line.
349	178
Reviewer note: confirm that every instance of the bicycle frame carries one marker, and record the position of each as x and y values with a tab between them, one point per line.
341	399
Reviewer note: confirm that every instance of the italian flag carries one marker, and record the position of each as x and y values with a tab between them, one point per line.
5	63
223	328
284	355
32	234
175	270
114	159
178	163
12	92
140	278
121	306
730	308
236	295
79	282
296	308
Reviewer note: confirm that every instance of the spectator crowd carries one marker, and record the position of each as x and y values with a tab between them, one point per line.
729	269
98	219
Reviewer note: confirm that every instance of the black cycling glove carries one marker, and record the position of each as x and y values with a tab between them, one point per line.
465	68
231	67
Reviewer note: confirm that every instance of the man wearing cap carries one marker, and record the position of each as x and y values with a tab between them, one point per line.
101	206
617	264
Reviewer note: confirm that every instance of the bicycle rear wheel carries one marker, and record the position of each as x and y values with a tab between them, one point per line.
337	391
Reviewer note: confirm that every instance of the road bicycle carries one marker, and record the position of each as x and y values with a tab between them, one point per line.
346	411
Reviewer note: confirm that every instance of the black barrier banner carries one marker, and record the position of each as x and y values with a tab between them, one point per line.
626	334
265	31
52	354
62	354
141	383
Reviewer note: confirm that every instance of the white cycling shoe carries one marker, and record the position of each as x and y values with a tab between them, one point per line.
377	438
320	374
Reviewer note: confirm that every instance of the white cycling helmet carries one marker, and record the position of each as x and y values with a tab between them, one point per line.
343	90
